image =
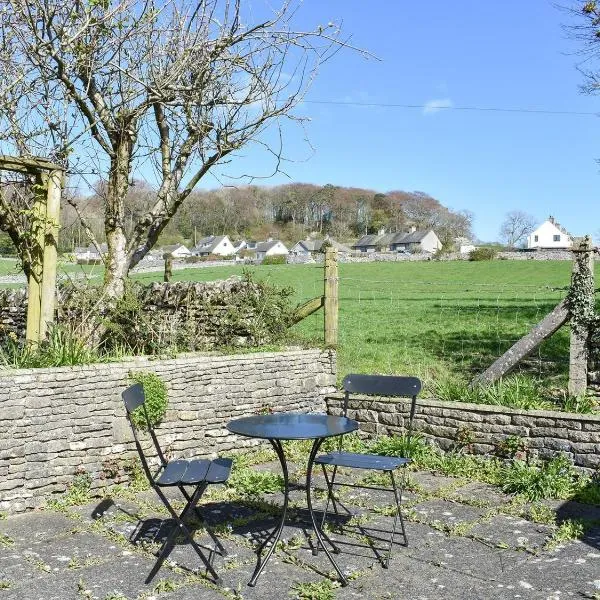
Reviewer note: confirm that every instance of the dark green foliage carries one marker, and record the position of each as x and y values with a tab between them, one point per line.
482	254
556	478
511	446
63	347
276	259
515	391
155	392
414	447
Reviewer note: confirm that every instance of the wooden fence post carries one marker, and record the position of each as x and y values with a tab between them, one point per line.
168	267
581	302
331	298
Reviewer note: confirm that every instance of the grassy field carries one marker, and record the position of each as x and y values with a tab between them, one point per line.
438	320
441	321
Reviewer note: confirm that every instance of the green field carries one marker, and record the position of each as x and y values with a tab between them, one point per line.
432	319
437	320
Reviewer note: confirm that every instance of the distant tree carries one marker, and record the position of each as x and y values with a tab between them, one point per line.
516	227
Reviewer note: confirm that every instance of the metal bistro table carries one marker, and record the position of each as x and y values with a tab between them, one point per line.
293	426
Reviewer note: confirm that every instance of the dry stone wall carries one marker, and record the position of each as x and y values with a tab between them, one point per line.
57	422
547	433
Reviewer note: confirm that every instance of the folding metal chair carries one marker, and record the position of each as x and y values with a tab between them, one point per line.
197	474
378	385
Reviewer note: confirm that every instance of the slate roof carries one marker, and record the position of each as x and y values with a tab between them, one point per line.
367	240
266	246
208	244
414	237
172	248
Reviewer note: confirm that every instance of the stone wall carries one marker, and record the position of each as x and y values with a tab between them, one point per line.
54	422
547	432
187	315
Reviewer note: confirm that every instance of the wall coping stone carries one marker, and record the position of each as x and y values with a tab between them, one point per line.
147	361
486	408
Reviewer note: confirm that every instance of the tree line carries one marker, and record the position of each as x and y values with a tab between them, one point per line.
289	212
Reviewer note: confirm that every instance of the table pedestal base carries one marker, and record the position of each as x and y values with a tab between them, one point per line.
274	536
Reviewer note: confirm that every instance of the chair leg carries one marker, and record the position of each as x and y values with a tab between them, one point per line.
398	517
330	498
166	549
218	547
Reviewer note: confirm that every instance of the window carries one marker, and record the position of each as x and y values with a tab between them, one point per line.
556	238
536	238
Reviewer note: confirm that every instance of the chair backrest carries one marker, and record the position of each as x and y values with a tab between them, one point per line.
134	399
383	385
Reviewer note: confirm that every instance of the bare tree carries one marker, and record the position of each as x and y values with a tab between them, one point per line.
117	88
515	228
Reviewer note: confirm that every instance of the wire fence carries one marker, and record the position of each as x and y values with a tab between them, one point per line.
439	328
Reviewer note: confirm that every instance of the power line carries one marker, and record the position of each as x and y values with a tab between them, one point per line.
465	108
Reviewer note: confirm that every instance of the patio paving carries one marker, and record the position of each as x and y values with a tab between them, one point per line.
466	540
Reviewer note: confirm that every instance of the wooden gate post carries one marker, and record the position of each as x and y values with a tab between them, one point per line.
168	266
581	307
331	298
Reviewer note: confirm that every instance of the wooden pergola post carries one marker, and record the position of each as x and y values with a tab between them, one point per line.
45	216
331	281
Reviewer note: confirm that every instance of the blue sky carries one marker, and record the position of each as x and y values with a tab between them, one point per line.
509	54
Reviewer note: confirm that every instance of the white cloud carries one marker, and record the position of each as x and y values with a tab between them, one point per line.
434	106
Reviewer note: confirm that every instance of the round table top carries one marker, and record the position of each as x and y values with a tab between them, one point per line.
292	426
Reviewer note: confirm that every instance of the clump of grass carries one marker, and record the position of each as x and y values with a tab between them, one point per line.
556	478
251	483
570	529
321	590
62	347
78	493
515	391
414	447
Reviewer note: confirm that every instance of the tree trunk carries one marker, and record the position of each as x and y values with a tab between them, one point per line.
117	259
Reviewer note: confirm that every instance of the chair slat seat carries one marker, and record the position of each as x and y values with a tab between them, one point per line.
172	473
219	470
361	461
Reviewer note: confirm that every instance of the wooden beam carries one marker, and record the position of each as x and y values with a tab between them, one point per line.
308	308
34	294
544	329
27	165
582	284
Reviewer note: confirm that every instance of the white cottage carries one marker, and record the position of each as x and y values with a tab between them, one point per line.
550	234
270	248
177	251
219	244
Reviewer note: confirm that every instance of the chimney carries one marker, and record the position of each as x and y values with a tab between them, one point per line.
381	231
412	229
551	219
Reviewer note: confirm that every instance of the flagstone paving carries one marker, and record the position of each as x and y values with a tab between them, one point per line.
466	540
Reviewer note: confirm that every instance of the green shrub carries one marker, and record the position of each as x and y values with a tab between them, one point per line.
276	259
556	478
155	392
250	482
62	347
482	254
415	447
